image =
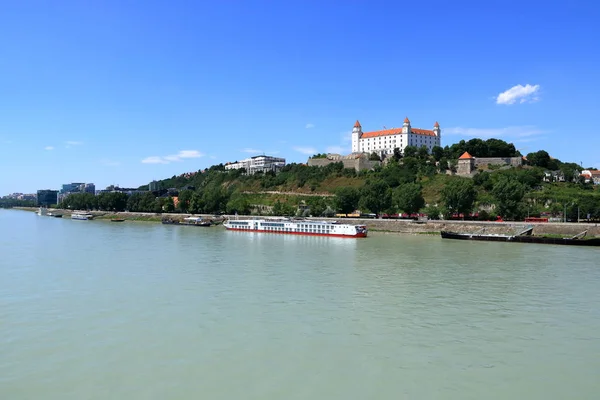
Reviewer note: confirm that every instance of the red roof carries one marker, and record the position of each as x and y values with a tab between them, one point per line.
465	156
437	124
385	132
419	131
406	120
357	124
397	131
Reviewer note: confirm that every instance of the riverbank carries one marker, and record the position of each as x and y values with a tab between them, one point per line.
382	225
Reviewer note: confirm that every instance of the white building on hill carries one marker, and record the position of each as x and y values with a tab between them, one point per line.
256	164
383	142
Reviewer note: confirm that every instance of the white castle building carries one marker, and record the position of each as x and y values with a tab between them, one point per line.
383	142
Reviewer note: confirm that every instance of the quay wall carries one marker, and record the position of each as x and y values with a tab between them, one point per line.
405	226
387	225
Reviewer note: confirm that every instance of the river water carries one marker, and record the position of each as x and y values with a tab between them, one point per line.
101	310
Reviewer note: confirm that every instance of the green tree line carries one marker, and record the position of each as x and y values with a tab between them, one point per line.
400	185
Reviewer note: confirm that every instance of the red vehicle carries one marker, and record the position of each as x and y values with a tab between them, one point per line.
536	219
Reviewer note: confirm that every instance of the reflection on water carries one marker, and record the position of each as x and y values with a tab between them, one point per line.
96	310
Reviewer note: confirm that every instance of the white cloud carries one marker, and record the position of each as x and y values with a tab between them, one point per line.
251	150
305	150
309	126
183	154
190	154
154	160
345	144
508	132
337	150
520	93
73	143
49	148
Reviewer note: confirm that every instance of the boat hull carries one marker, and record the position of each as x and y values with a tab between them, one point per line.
522	239
82	217
466	236
357	235
200	224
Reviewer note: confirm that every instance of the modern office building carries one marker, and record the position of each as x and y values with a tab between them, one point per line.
256	164
47	197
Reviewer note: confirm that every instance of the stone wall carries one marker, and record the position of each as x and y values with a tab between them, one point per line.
357	163
409	226
512	161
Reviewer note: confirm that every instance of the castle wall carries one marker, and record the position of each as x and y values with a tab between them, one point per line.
358	164
512	161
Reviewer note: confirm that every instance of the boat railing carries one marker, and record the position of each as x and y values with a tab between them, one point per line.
526	231
580	235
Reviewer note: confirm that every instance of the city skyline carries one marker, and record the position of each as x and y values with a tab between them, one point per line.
118	94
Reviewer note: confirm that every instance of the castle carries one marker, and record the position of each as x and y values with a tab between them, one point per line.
384	142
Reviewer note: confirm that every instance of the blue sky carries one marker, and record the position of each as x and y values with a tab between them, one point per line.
123	92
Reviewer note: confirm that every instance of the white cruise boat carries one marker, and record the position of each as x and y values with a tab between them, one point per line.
42	211
297	227
82	216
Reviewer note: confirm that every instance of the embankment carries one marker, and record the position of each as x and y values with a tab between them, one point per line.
386	225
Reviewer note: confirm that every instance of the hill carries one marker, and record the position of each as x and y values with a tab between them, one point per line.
410	183
416	182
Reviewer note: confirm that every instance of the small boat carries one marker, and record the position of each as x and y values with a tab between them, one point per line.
195	221
117	220
55	215
524	236
189	221
83	216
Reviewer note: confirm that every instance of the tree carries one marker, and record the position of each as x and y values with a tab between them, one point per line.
423	153
375	197
540	158
185	197
459	196
408	198
283	209
477	148
238	203
214	198
443	166
112	201
374	157
169	205
147	202
509	195
437	152
133	202
346	199
410	151
196	204
397	154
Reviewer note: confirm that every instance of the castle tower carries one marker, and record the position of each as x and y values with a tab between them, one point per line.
466	164
406	126
356	134
437	130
